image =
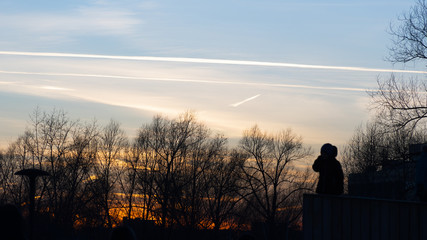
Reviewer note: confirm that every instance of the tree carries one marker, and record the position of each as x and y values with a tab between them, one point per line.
366	150
222	187
374	152
112	141
269	179
129	179
64	148
78	169
145	168
402	102
410	36
14	159
201	154
137	178
48	143
53	131
167	143
170	144
176	171
373	147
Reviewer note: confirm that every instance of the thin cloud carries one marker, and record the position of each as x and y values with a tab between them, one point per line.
56	88
189	81
207	61
244	101
6	82
82	21
144	107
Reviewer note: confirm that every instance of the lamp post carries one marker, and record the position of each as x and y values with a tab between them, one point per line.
32	174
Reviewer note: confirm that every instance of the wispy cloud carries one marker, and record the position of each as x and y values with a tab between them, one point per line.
92	20
208	61
56	88
1	82
244	101
156	87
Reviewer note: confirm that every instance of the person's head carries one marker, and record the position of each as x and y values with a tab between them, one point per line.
328	150
123	233
334	151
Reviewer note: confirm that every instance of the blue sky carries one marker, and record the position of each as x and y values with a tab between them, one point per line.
304	65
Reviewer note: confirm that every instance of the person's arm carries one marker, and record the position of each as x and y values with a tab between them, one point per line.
340	178
317	163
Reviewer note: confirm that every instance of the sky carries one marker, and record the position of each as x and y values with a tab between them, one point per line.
300	64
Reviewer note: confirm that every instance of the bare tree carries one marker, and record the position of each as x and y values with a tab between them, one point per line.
373	146
65	149
128	180
375	153
174	156
400	103
45	145
145	167
112	141
165	145
137	179
78	169
54	132
222	188
15	158
171	142
175	171
203	152
410	35
366	150
269	178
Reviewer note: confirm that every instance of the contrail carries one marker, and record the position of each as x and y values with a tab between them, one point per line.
207	61
185	81
246	100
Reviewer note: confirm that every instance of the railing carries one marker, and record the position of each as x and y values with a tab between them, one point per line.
354	218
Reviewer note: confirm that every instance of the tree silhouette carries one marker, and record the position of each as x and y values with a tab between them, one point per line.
401	103
410	35
373	147
222	183
111	142
269	179
175	172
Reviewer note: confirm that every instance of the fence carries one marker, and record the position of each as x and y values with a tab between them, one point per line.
345	217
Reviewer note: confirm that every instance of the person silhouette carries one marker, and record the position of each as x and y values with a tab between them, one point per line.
11	223
123	233
331	177
421	174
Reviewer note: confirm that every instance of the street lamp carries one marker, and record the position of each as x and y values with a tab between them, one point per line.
32	174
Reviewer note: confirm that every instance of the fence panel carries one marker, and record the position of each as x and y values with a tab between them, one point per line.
344	217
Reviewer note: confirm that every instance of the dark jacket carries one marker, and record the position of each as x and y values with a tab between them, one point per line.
331	177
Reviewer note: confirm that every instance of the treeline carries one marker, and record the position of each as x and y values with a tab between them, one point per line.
176	172
375	146
378	151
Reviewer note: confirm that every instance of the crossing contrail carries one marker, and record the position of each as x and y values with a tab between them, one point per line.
246	100
206	61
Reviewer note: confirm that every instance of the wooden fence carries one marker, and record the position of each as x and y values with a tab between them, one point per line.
354	218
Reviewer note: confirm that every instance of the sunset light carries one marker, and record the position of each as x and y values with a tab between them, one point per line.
209	120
